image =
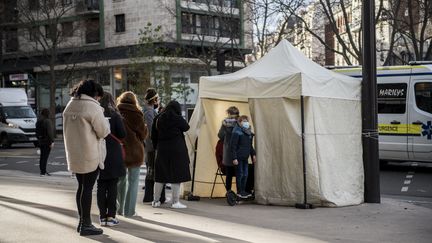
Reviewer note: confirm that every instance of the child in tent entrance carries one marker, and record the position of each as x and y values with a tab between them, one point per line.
241	149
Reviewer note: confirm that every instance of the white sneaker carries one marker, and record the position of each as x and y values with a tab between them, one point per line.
178	205
156	204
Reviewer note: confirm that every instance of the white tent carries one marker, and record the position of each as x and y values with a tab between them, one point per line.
269	91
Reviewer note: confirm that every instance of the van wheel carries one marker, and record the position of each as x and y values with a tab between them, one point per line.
4	142
383	163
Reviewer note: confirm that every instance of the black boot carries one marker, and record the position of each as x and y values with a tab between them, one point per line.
79	226
90	230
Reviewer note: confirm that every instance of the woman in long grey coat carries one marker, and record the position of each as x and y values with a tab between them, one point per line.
172	159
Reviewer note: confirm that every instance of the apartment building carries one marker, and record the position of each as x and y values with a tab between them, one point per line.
315	19
98	39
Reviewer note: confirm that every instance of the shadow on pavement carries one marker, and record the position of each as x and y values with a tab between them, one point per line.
135	230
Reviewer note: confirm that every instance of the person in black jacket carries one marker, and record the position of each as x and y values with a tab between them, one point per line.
224	134
149	110
172	159
45	136
114	166
241	149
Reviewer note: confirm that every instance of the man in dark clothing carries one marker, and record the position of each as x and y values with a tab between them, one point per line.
224	134
45	136
149	110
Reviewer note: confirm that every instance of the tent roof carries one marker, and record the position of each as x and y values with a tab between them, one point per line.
283	72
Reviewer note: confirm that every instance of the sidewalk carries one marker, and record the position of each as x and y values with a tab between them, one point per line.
42	209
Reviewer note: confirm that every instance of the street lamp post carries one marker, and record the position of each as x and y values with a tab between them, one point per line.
369	105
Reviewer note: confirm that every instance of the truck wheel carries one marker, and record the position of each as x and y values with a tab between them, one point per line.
4	142
383	164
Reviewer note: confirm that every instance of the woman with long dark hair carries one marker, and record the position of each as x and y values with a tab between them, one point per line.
84	130
172	159
114	164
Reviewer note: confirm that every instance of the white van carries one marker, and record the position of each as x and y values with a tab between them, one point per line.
17	119
404	111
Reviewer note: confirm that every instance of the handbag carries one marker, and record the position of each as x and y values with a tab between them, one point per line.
121	145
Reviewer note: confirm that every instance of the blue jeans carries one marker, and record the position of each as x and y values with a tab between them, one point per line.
127	192
241	175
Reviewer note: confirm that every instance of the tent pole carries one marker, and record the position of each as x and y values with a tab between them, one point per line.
305	204
190	196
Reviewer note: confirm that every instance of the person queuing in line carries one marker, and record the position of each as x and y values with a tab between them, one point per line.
45	136
172	159
136	132
84	130
114	163
224	134
150	112
241	149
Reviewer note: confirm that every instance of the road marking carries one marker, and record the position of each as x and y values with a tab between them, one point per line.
414	164
36	164
409	176
404	189
411	173
2	165
60	157
21	162
407	182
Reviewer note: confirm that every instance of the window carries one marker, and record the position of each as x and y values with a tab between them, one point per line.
188	22
210	25
423	96
49	3
50	31
67	29
179	80
34	33
92	4
92	31
392	98
120	23
11	40
33	4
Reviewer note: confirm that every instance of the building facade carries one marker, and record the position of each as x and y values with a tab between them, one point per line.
348	26
112	41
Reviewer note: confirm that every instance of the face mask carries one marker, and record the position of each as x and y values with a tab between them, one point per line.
245	125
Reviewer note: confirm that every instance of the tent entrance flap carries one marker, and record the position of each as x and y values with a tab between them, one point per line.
206	166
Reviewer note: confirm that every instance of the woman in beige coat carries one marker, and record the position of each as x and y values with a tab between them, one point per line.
84	130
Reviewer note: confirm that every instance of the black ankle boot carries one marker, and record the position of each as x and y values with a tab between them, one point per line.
90	230
79	226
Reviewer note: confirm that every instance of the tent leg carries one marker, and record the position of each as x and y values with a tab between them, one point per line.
305	204
190	196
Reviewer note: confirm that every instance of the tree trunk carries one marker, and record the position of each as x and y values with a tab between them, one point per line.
53	95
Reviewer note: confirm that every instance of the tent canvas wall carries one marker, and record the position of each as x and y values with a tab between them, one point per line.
269	91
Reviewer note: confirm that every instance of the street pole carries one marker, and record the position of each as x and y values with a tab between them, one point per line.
369	106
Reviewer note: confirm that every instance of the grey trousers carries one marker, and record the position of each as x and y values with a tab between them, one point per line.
158	187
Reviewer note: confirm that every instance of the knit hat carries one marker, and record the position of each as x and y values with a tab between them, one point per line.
150	94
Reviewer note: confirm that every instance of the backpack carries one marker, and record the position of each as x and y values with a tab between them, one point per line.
39	130
219	155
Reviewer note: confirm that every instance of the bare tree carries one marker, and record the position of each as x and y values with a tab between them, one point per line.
337	19
271	22
49	39
218	34
411	31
